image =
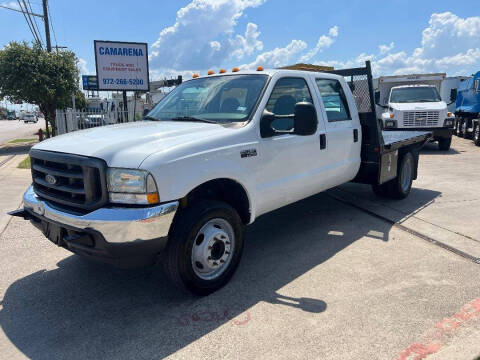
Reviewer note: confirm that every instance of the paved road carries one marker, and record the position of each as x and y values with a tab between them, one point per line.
319	279
14	129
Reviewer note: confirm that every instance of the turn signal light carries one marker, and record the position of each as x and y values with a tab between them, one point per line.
235	69
195	76
211	72
449	114
222	71
392	116
260	68
153	198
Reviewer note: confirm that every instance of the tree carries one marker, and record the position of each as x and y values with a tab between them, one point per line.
32	75
80	100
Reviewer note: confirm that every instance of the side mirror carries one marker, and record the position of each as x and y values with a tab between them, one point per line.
377	97
305	119
266	120
453	95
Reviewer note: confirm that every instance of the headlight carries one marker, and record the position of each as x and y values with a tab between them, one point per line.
128	186
448	122
390	123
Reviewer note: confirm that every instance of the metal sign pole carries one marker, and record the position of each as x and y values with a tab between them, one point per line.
125	105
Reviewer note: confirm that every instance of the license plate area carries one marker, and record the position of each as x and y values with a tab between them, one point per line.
53	232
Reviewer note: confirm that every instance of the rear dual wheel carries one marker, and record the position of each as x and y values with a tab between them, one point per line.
476	135
398	188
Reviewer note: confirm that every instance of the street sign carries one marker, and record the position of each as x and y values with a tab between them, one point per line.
89	82
121	66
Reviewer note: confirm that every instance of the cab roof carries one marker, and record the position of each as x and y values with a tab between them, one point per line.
270	72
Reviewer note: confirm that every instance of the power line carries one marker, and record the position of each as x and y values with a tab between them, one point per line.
35	21
51	23
28	23
20	11
39	39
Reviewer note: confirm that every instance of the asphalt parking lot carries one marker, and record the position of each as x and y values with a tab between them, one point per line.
341	275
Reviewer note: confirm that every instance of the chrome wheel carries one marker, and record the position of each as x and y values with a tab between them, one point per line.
212	249
406	175
477	133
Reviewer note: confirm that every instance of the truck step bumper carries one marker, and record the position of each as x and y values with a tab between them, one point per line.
124	237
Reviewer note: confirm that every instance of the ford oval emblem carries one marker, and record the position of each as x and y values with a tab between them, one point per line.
52	180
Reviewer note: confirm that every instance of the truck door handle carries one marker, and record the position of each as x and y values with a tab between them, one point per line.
323	141
355	135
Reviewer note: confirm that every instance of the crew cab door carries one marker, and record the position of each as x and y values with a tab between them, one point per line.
292	165
342	127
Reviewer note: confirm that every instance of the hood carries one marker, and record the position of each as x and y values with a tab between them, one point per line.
420	106
127	145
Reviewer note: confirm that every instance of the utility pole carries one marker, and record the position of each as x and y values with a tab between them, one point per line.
47	25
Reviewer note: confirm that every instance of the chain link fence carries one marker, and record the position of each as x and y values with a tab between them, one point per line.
73	120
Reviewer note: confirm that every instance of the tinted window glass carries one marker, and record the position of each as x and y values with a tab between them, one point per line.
221	99
334	99
414	94
286	93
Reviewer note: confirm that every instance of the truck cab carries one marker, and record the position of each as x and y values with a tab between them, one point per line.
467	113
415	112
215	154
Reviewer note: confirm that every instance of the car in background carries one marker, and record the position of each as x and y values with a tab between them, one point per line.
30	118
91	121
11	115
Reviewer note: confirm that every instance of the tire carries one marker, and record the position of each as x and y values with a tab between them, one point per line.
476	135
465	133
399	188
196	249
444	144
459	128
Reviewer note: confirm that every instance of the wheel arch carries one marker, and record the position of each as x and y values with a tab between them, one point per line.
223	189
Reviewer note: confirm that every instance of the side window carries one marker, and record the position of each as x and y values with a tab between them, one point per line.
286	93
334	99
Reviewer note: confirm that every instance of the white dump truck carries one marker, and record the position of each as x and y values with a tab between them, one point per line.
215	154
413	102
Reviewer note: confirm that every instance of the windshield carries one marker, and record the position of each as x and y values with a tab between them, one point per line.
219	99
414	94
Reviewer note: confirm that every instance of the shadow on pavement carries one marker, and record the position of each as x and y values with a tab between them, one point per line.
432	149
15	149
85	310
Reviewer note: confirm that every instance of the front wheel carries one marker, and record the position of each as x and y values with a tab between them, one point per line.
205	247
444	144
476	135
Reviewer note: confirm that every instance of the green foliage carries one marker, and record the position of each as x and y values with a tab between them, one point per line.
25	164
80	100
21	141
32	75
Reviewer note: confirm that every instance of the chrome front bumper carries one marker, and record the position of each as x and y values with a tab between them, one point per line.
118	225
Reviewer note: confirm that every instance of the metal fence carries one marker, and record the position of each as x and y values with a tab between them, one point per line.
72	120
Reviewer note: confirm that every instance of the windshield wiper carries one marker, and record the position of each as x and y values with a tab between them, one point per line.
150	118
192	118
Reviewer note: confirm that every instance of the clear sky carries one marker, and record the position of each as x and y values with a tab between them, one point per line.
399	36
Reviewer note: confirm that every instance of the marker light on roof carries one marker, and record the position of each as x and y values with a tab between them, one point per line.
211	72
195	76
222	71
260	68
235	69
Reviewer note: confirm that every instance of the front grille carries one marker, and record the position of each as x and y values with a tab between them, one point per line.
76	181
420	118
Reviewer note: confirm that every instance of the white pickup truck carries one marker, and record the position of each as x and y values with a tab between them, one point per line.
211	157
419	107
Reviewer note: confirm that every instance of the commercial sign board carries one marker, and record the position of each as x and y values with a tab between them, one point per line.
121	66
89	82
